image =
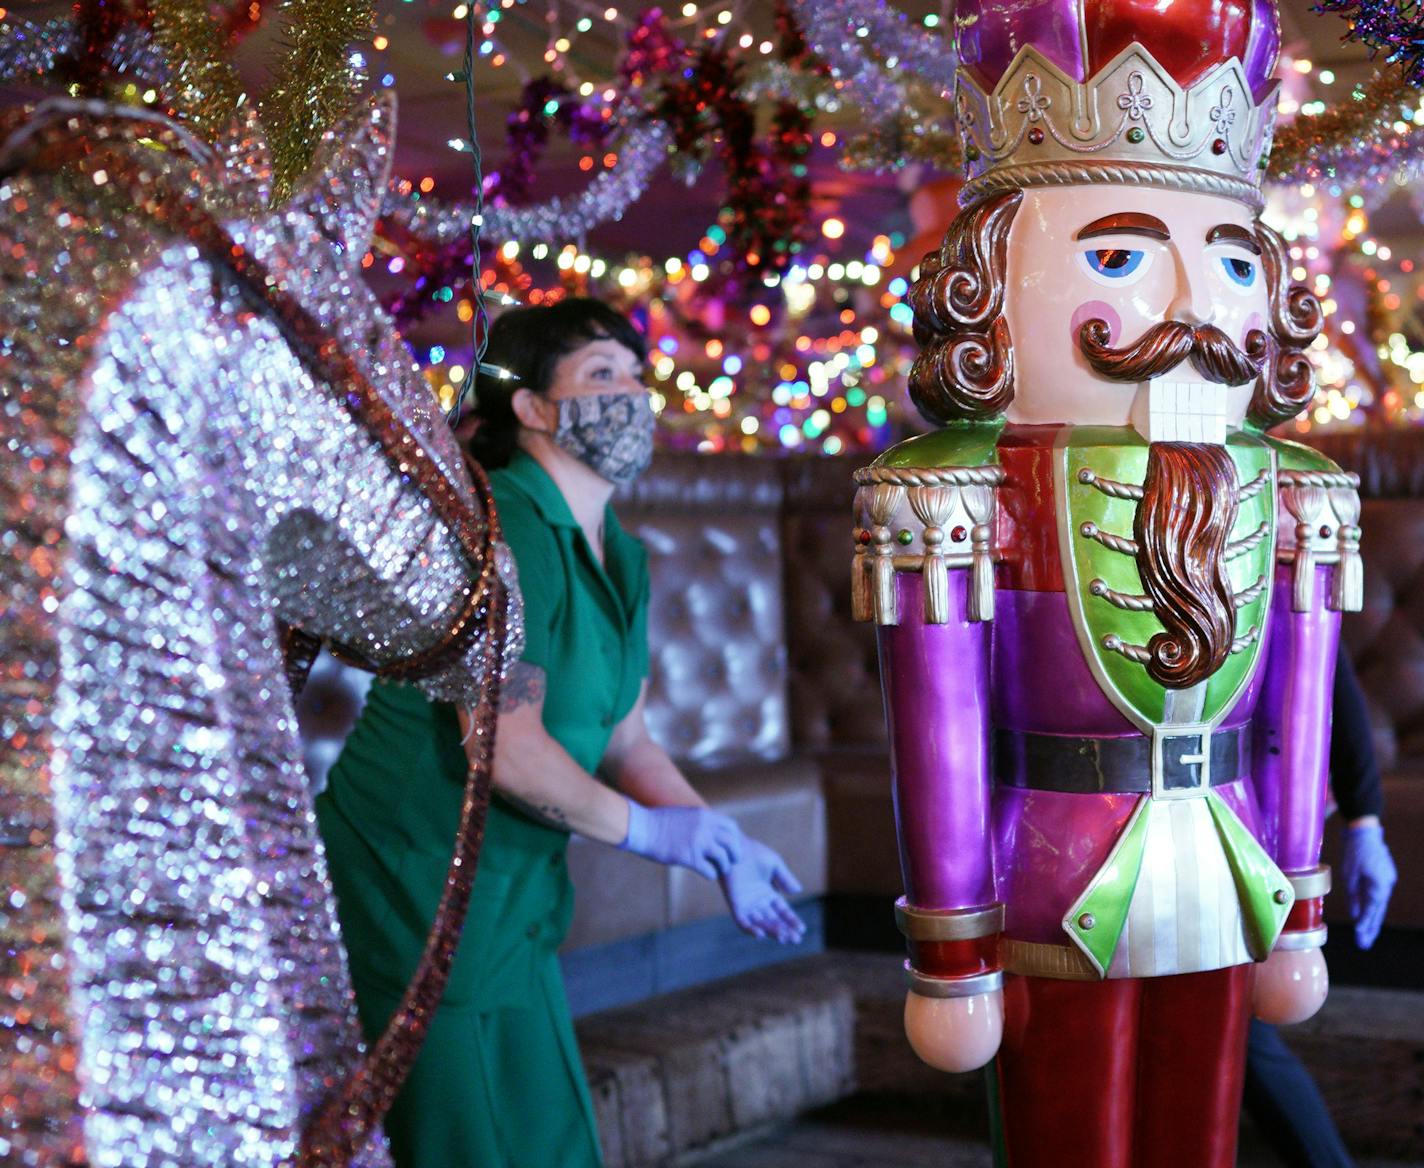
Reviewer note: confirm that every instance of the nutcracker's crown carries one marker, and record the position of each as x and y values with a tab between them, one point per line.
1117	91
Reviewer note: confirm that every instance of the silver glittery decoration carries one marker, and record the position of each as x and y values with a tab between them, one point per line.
173	990
565	217
28	51
843	33
784	81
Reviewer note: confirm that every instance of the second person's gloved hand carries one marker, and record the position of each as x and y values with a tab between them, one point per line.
1369	873
756	887
706	841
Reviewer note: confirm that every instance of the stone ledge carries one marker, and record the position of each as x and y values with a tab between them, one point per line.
686	1071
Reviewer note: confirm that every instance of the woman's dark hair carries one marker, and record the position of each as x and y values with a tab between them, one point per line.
529	343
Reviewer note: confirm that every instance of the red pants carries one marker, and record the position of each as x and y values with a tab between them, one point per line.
1135	1073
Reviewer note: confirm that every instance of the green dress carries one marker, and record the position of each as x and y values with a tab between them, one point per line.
499	1083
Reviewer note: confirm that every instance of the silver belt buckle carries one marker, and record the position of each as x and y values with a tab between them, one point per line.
1181	761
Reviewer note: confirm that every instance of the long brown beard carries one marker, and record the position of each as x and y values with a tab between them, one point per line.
1189	502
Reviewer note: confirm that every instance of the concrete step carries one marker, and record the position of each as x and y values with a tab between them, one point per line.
675	1078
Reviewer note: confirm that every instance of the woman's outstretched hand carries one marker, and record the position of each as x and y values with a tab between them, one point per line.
756	887
706	841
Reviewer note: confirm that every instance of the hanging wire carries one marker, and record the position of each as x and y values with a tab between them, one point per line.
479	320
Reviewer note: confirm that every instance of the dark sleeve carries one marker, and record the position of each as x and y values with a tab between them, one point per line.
1354	773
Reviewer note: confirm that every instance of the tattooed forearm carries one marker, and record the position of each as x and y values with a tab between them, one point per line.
545	813
523	687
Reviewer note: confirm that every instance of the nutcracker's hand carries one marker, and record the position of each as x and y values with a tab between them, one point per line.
955	1034
1290	986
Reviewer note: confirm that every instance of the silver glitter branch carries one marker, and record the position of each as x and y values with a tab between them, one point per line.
29	51
554	221
173	474
833	30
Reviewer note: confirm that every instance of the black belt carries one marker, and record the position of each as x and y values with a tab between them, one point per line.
1057	762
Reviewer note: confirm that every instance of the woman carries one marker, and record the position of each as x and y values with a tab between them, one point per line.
499	1082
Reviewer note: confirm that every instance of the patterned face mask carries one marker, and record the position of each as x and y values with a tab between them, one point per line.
611	433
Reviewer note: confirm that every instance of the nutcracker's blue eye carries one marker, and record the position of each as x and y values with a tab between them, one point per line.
1115	263
1240	272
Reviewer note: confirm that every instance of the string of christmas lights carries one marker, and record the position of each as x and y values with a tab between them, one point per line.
602	77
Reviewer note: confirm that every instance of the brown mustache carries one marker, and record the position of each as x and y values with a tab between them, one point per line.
1166	345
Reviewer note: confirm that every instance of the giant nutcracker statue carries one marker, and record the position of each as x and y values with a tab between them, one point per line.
1107	601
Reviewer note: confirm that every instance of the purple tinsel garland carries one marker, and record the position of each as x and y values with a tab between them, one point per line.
1397	30
545	103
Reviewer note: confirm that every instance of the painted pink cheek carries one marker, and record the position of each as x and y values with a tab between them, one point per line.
1255	322
1095	310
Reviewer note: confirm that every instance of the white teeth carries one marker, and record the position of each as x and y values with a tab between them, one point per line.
1186	411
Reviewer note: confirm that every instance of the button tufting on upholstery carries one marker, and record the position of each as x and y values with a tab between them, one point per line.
717	692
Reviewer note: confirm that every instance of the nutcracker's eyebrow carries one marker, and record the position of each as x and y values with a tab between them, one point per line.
1126	223
1233	233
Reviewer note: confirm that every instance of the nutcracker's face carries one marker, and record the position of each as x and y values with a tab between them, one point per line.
1135	306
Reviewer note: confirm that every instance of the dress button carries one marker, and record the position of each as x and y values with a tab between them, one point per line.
532	931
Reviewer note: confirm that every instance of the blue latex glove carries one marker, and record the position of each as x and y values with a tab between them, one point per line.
756	887
1369	873
706	841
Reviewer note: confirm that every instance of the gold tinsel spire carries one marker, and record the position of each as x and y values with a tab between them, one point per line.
206	89
315	83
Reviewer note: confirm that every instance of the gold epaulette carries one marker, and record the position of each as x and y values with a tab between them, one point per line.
1325	505
928	520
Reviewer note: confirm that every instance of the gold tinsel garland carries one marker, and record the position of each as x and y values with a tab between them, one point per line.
206	89
1360	124
901	140
315	83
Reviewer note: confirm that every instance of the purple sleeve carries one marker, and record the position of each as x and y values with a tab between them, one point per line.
1291	749
935	681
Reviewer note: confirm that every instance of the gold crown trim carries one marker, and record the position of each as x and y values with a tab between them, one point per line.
1143	174
1131	121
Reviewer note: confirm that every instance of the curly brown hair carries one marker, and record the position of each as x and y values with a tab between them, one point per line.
1288	382
965	369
